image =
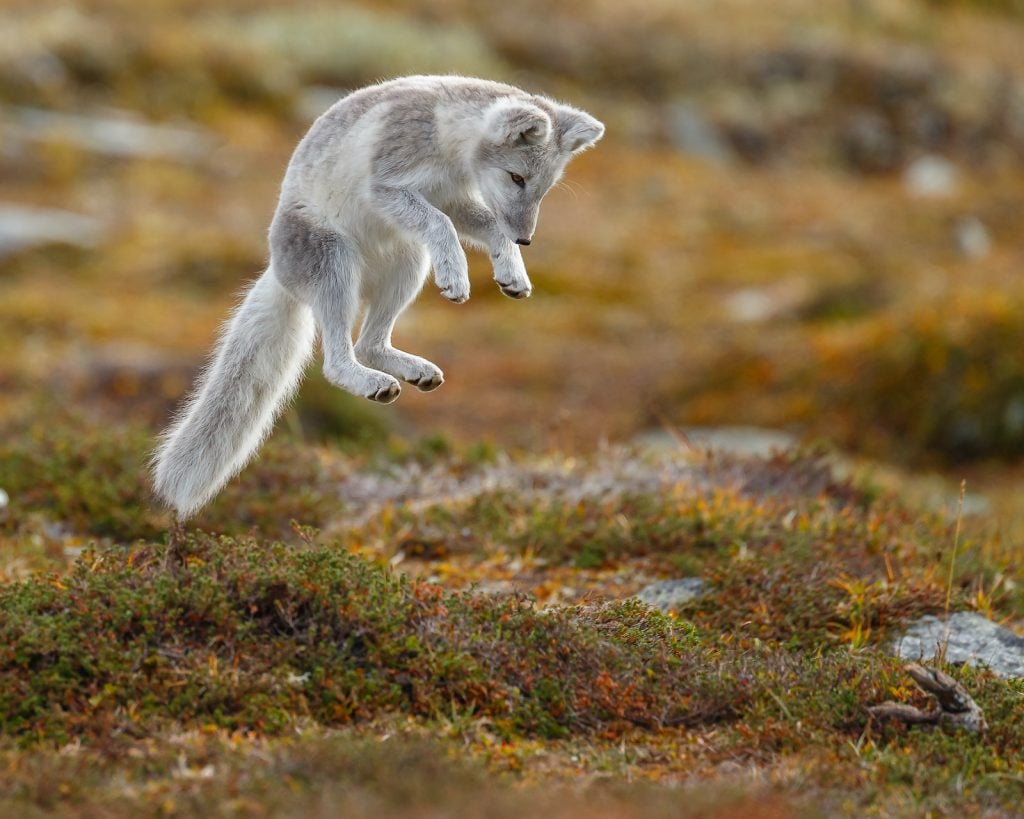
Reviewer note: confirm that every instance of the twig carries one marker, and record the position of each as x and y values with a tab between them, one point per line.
173	559
956	708
677	434
952	559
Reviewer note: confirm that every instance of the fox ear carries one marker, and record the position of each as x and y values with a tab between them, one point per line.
577	130
512	122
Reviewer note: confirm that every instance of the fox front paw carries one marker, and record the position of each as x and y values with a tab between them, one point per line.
510	274
451	272
457	292
516	290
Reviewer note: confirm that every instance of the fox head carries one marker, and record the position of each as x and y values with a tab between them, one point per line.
523	151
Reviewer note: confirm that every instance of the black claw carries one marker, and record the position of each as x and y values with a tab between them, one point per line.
428	383
385	395
452	298
512	293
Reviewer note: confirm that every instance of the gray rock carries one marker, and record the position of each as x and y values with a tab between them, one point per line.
22	227
972	238
869	143
757	442
691	133
1013	416
114	133
669	595
751	304
972	639
783	299
930	177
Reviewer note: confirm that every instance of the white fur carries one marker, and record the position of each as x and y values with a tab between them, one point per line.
263	349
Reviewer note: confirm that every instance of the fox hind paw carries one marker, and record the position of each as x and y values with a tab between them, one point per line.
386	394
428	383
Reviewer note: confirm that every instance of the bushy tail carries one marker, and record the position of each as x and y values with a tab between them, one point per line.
257	364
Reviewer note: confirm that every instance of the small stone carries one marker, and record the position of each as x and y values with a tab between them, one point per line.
972	238
748	442
669	595
1013	416
968	638
691	132
750	304
498	587
930	177
869	143
784	299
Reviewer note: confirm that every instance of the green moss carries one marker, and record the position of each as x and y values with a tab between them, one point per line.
590	532
88	478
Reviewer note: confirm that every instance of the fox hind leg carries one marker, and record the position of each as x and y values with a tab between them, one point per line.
324	269
335	308
397	280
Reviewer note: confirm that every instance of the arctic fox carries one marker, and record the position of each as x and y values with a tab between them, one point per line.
383	186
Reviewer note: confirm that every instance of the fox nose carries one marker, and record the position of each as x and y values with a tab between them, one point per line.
522	241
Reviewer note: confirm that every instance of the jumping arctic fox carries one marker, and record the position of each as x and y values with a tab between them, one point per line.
383	185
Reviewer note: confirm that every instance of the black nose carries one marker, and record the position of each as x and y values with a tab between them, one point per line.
522	241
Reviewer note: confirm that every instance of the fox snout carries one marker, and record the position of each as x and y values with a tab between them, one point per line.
519	227
519	223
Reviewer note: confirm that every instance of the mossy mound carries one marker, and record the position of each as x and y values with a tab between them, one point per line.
939	385
93	479
251	634
946	381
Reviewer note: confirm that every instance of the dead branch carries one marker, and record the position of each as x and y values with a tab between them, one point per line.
956	708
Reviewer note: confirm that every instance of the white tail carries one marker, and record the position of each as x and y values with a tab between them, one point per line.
256	366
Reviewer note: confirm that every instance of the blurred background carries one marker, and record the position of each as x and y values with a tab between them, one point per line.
804	222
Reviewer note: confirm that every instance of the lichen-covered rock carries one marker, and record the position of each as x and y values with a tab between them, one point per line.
969	638
669	595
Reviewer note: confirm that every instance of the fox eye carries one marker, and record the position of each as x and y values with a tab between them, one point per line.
517	179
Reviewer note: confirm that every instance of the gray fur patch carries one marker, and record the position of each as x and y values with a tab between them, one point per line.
303	255
411	126
336	121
